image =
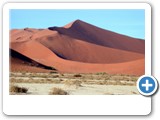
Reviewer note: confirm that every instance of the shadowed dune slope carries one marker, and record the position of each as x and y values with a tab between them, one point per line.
18	65
50	59
79	48
90	33
19	61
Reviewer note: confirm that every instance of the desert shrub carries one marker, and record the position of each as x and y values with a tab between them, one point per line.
100	83
77	75
23	73
62	74
17	89
134	92
58	91
76	83
134	78
53	72
11	74
107	77
55	76
44	76
101	73
61	80
33	75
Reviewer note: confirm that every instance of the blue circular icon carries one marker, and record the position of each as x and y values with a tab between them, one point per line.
147	85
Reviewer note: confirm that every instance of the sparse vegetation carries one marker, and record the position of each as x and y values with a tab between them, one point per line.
77	75
53	72
62	74
58	91
76	83
55	76
23	73
73	79
101	73
70	81
17	89
134	92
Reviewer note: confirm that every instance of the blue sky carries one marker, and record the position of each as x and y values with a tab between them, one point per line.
128	22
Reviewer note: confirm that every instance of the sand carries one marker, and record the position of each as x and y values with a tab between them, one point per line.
74	84
78	47
44	89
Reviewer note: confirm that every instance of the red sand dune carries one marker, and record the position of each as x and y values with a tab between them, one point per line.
20	66
80	47
78	50
87	32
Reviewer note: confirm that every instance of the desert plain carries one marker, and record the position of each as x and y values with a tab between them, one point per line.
76	59
74	84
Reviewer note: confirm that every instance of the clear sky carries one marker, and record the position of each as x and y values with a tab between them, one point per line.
128	22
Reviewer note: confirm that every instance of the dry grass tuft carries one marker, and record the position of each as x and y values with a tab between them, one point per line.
16	89
76	83
101	73
134	92
53	72
58	91
77	75
55	76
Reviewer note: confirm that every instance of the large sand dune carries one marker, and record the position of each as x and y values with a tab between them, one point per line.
87	32
79	47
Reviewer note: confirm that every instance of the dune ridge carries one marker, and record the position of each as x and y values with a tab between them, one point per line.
90	33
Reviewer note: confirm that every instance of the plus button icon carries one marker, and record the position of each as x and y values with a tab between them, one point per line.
147	85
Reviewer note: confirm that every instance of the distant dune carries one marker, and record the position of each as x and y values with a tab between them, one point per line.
78	47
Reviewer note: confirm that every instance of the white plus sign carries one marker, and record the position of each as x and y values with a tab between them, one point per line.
147	85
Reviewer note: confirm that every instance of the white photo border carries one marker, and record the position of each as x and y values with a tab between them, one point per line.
75	104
